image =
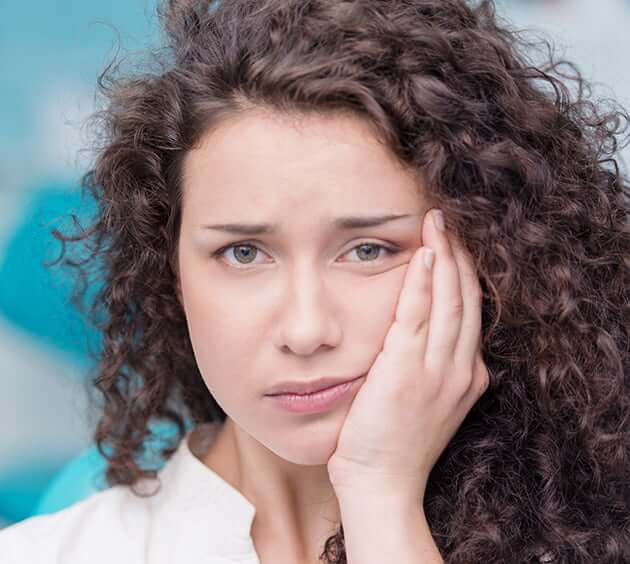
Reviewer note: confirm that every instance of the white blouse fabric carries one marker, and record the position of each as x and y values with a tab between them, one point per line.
195	518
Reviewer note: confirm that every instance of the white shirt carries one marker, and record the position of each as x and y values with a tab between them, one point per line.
196	517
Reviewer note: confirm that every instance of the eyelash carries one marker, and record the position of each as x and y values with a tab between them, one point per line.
390	250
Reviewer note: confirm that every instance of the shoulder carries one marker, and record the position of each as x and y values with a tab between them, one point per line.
106	525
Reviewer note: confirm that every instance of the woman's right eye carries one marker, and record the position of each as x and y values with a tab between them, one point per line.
237	247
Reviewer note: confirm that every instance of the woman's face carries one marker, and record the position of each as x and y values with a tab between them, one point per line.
307	298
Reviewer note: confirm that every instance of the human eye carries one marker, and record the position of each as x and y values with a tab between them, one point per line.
220	253
252	252
377	246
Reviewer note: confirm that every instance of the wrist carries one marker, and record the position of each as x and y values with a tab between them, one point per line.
387	525
375	503
393	492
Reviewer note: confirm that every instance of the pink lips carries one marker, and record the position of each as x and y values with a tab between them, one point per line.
317	401
302	387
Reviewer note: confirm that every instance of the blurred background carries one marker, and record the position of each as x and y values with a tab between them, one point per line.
51	53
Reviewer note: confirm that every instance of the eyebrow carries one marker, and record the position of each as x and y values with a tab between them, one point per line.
341	223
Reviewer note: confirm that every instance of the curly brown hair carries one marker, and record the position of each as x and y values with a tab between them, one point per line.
526	175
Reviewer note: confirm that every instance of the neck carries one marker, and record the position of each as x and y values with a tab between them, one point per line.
296	506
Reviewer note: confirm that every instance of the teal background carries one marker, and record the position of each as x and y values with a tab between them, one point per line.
51	53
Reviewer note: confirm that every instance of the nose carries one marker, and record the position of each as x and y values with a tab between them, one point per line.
307	320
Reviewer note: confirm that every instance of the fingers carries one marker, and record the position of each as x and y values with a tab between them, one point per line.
460	309
414	302
447	302
470	330
440	308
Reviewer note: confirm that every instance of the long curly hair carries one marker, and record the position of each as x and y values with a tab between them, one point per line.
526	172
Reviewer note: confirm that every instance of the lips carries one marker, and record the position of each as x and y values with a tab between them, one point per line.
308	387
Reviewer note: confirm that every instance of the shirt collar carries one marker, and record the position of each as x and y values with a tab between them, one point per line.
201	499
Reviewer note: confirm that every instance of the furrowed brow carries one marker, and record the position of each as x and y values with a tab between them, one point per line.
340	223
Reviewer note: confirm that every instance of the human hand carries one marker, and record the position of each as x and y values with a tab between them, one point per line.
425	380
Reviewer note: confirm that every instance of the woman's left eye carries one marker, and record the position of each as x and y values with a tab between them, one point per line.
378	247
365	249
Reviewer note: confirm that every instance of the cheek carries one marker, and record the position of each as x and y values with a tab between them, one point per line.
218	325
373	304
220	342
218	332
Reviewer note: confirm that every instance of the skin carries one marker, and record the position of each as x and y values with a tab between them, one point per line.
301	303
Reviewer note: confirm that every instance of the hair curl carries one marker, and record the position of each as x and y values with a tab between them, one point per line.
526	174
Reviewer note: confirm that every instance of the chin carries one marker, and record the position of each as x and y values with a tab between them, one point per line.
306	447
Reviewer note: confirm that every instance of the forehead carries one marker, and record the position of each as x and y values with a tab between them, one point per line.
334	161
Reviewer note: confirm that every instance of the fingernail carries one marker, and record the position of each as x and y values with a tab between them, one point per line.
428	255
438	219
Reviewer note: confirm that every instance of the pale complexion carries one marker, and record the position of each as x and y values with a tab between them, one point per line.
302	302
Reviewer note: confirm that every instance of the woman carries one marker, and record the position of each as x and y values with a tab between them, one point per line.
240	185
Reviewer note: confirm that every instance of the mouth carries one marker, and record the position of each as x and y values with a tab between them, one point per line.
319	401
304	388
